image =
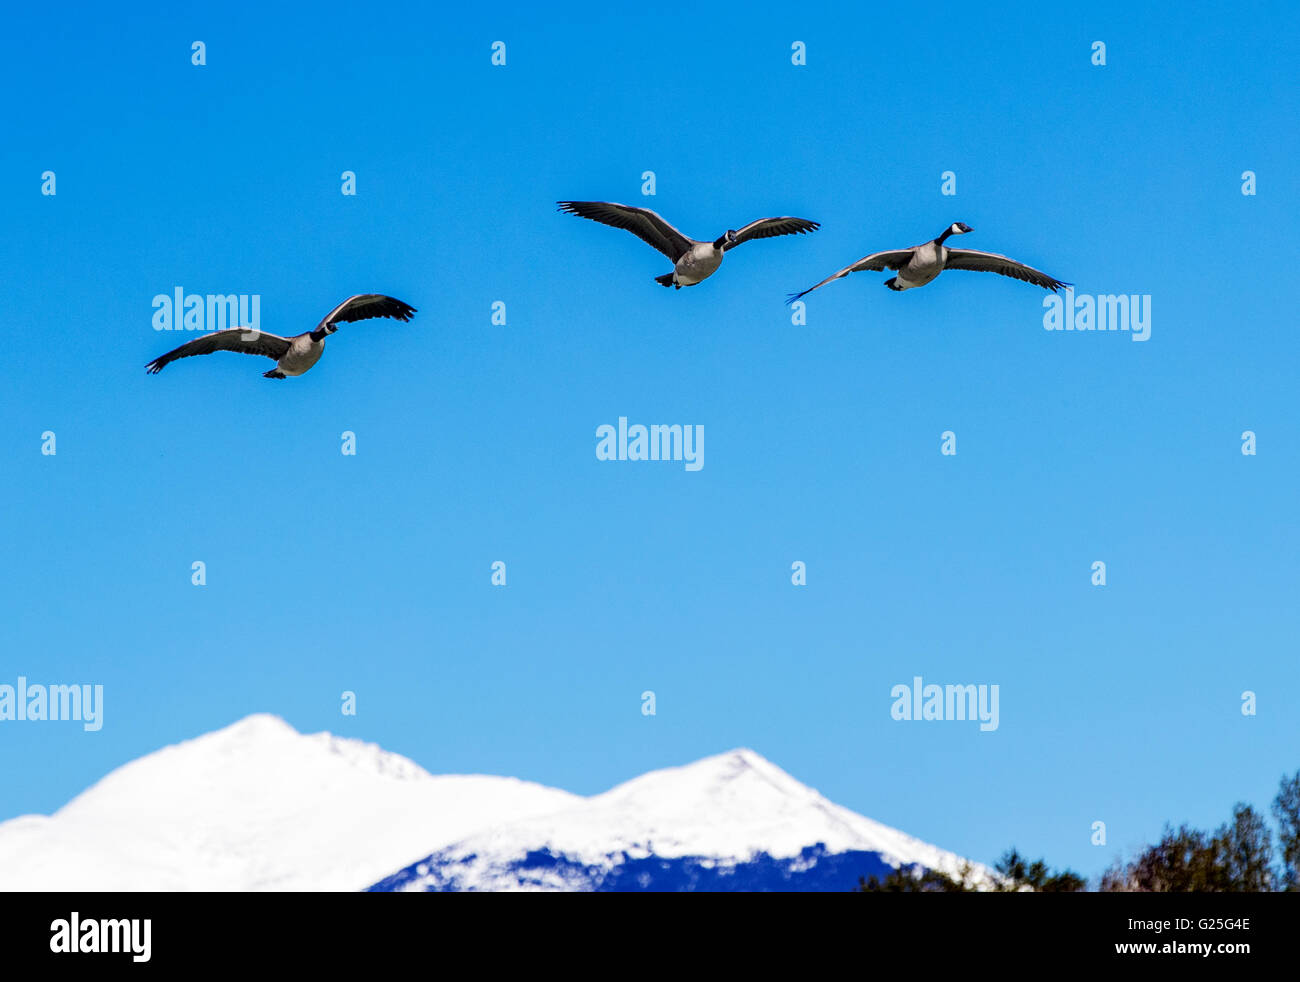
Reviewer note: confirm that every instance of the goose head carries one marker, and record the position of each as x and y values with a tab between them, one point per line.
956	228
727	239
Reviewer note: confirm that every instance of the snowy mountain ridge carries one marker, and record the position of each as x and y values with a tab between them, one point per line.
259	806
255	806
692	827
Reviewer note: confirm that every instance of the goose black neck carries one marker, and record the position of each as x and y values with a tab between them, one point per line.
946	232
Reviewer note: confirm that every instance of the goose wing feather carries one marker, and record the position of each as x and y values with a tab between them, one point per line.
893	259
244	340
766	228
645	224
991	262
363	306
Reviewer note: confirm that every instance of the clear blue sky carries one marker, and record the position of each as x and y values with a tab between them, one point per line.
476	442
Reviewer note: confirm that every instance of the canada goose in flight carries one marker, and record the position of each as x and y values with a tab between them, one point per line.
293	356
692	260
920	264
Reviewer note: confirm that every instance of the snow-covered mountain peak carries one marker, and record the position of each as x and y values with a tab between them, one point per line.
729	766
253	726
730	784
720	770
733	818
257	806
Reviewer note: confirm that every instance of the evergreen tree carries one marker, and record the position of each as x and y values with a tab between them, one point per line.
1234	860
1286	809
1036	876
1016	875
1243	851
917	879
1181	862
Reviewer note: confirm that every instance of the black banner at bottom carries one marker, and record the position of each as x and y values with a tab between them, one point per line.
1029	932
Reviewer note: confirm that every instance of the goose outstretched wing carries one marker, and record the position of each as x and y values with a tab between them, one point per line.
363	306
645	224
245	340
765	228
893	259
991	262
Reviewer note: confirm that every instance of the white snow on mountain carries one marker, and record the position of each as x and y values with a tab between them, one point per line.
259	806
728	808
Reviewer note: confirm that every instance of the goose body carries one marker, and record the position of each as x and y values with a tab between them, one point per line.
693	260
699	262
293	355
303	352
926	263
920	264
